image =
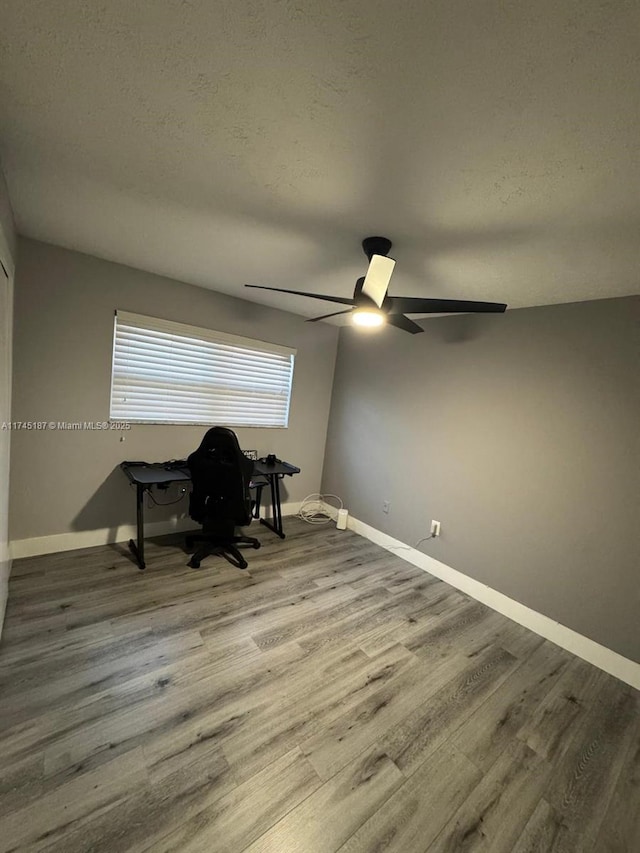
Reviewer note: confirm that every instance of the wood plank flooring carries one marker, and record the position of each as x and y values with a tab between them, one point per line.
331	699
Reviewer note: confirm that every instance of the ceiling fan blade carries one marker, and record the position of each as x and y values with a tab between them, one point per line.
342	300
376	281
325	316
411	305
404	323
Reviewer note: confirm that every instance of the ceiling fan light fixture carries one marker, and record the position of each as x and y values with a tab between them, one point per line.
370	318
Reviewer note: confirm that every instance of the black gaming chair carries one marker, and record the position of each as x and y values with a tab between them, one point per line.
220	499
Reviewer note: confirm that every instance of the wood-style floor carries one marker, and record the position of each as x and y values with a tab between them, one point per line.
333	698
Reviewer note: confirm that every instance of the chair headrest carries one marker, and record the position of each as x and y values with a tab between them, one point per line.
219	442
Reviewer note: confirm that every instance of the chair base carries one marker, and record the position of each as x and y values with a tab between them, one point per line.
222	546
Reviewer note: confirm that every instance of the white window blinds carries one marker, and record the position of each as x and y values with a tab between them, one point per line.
165	372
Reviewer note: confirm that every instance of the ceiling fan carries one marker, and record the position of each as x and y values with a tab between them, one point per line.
372	306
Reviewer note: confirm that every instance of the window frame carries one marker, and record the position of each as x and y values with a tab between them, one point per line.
146	323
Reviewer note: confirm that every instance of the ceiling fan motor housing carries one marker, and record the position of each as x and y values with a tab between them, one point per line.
376	246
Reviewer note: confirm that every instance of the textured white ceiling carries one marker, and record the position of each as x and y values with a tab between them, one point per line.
221	143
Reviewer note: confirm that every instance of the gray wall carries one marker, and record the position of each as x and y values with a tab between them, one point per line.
7	250
520	434
68	481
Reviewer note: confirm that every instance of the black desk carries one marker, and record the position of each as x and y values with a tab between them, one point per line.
144	477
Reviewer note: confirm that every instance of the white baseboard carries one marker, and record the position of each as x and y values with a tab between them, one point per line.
58	542
602	657
71	541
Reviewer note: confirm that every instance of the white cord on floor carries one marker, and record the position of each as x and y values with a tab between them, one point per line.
313	511
411	547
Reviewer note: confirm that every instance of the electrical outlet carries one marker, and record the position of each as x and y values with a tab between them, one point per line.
435	528
385	506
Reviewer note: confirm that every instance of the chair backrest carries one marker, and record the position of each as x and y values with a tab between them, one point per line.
220	474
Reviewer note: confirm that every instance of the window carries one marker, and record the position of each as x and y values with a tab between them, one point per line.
165	372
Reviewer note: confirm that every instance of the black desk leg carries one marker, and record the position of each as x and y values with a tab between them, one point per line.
137	549
276	508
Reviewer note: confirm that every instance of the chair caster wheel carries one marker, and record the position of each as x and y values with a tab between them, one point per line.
194	564
256	545
243	564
